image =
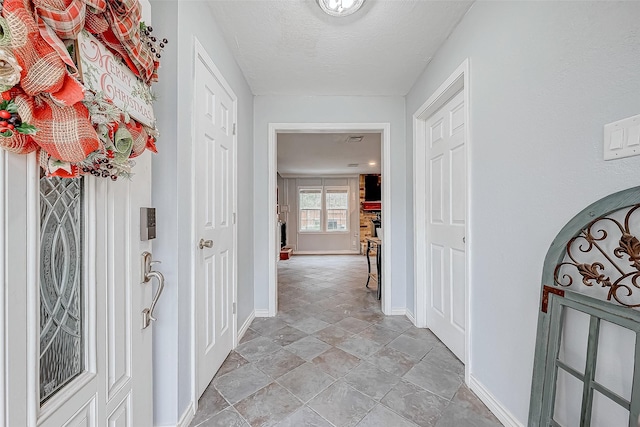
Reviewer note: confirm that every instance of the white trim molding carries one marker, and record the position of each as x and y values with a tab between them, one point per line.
187	416
410	316
456	82
340	252
263	312
245	326
494	405
274	129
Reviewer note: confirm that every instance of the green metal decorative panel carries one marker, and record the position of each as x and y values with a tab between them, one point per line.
586	363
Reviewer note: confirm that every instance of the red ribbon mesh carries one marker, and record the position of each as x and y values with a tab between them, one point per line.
65	133
43	70
18	143
139	136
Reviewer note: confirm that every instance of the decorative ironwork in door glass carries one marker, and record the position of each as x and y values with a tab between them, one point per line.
61	283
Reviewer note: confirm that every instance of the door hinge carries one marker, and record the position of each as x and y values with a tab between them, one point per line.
234	217
234	308
234	128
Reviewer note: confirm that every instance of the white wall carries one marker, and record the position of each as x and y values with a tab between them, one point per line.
331	109
545	78
326	241
180	22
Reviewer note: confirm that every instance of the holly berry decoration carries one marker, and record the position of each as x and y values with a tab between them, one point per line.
10	120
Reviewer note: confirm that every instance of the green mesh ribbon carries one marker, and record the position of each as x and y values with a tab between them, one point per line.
122	144
5	34
9	68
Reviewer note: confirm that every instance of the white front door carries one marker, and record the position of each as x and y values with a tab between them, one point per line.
76	353
446	207
214	154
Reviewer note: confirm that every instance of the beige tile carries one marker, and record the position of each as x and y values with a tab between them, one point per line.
332	335
241	383
393	361
325	295
368	379
232	362
279	363
434	379
336	362
268	406
381	416
415	404
342	405
306	381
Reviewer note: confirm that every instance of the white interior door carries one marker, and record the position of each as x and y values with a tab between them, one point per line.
214	151
446	207
77	353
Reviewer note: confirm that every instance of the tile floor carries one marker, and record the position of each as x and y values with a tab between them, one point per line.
331	358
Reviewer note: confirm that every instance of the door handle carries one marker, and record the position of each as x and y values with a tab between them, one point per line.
205	244
147	275
147	313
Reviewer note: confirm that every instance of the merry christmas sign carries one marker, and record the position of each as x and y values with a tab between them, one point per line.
103	72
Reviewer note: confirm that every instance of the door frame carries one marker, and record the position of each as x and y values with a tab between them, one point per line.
25	187
456	82
200	52
385	131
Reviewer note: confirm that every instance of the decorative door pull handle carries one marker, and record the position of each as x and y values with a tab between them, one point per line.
147	313
147	275
205	244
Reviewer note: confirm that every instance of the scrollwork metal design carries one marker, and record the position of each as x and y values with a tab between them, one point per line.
617	270
61	326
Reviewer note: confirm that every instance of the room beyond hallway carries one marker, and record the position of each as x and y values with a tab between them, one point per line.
331	358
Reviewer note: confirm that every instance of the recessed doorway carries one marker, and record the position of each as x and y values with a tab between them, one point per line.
315	228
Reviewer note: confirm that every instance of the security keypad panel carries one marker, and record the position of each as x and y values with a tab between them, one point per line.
147	224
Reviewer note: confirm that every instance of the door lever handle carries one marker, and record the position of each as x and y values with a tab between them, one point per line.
205	244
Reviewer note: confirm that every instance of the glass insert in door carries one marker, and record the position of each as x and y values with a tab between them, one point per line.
61	283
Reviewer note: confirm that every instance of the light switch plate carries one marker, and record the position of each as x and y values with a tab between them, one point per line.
622	138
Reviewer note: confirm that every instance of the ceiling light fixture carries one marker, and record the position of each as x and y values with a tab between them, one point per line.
340	7
372	163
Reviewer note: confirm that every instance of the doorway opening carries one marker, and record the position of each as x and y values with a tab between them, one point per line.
315	228
329	205
441	214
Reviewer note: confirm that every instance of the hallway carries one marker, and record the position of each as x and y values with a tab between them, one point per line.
331	358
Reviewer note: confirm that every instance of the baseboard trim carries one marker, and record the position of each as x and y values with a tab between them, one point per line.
343	252
245	325
261	312
493	404
398	311
185	418
411	317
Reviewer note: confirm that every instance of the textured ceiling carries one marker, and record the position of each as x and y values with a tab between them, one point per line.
325	154
290	47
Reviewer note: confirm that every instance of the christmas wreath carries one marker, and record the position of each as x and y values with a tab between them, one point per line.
51	100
